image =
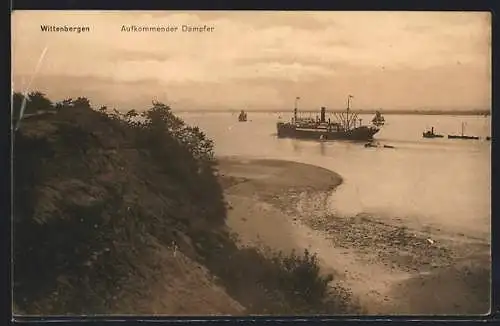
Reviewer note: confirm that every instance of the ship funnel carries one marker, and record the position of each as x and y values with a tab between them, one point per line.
323	111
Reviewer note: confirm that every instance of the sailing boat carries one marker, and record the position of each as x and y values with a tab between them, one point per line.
462	136
242	117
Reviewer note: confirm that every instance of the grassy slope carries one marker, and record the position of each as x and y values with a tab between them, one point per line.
98	207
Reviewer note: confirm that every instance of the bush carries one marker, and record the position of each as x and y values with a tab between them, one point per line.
269	282
54	237
300	276
33	102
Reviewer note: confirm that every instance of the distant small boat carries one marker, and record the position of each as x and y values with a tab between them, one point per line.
378	120
242	117
462	136
431	134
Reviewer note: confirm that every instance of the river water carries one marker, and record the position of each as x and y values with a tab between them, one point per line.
431	182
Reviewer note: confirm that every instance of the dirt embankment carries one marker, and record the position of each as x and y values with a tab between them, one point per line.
104	224
390	268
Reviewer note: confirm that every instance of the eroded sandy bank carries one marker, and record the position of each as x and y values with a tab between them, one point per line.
391	268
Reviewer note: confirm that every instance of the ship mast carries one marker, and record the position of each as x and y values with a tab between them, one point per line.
348	108
295	110
346	121
353	117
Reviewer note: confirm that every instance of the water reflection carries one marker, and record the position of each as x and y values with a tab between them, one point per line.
296	146
322	148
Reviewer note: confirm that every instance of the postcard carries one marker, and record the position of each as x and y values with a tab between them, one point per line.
238	163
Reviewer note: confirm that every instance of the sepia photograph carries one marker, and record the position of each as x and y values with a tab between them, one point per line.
243	163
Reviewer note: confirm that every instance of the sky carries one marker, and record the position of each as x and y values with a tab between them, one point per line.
258	60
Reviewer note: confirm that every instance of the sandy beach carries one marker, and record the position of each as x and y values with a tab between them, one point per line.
391	268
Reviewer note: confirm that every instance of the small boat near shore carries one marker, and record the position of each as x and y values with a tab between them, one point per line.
431	134
462	136
377	145
346	127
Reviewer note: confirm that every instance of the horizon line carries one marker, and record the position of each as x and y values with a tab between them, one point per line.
366	111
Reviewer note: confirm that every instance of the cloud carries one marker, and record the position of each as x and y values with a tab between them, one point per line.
304	48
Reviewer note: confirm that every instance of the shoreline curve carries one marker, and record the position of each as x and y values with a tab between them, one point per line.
282	205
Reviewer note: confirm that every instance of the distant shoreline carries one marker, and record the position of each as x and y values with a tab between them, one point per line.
392	112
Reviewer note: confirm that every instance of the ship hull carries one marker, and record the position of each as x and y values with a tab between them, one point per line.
462	137
287	130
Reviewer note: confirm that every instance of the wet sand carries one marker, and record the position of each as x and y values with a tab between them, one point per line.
390	267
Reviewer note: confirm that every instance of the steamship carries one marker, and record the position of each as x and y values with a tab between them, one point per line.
346	126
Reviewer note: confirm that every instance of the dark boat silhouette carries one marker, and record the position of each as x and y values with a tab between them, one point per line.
345	128
462	136
242	117
378	120
377	145
431	134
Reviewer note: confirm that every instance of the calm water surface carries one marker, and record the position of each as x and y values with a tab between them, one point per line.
435	182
